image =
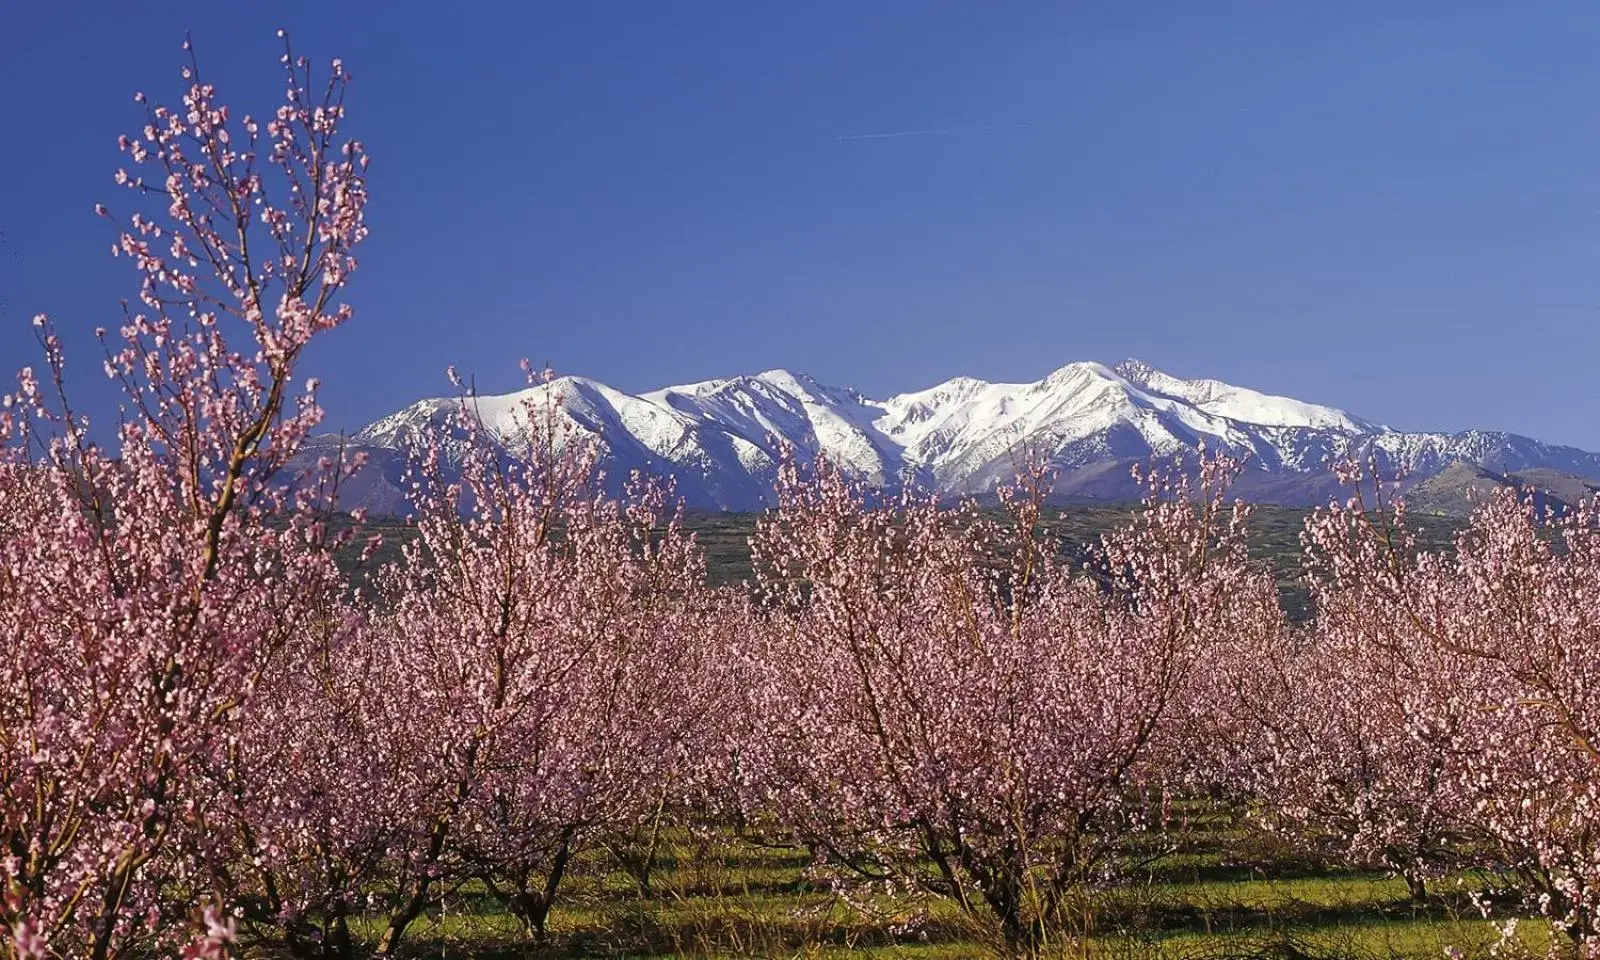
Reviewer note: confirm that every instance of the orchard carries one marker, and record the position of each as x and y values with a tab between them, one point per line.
228	730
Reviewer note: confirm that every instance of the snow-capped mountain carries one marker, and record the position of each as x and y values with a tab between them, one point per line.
722	439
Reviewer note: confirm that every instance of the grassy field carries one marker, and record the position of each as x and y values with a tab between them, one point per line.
1222	893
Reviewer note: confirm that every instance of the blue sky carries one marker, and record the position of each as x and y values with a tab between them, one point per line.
1389	206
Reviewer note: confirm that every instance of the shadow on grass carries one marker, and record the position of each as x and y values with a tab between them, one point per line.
644	935
1284	912
1285	928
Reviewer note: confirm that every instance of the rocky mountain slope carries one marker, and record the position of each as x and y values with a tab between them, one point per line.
1457	489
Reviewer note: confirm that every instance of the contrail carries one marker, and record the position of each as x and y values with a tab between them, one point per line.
927	133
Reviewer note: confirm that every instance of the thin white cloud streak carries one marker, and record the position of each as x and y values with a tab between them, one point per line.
937	131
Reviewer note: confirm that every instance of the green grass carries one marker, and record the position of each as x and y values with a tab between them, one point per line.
1225	894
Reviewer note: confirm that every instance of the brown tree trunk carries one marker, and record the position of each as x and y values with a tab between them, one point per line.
531	906
1416	886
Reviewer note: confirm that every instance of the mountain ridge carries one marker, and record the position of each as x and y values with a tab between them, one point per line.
722	439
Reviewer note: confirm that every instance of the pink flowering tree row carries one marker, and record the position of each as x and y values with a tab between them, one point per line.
197	706
942	701
1439	712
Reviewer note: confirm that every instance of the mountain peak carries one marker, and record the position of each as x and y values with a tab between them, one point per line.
1078	372
1137	372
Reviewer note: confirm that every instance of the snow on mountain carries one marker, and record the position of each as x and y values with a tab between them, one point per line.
779	406
1238	403
722	440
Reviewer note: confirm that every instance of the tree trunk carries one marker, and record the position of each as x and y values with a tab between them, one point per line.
417	900
639	866
338	945
1003	894
334	943
532	907
402	918
1416	886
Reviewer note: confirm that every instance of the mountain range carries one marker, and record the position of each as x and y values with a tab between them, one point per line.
722	440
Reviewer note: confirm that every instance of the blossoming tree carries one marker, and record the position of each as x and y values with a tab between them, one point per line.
144	589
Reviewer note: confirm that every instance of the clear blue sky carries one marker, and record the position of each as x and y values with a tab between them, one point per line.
1391	206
